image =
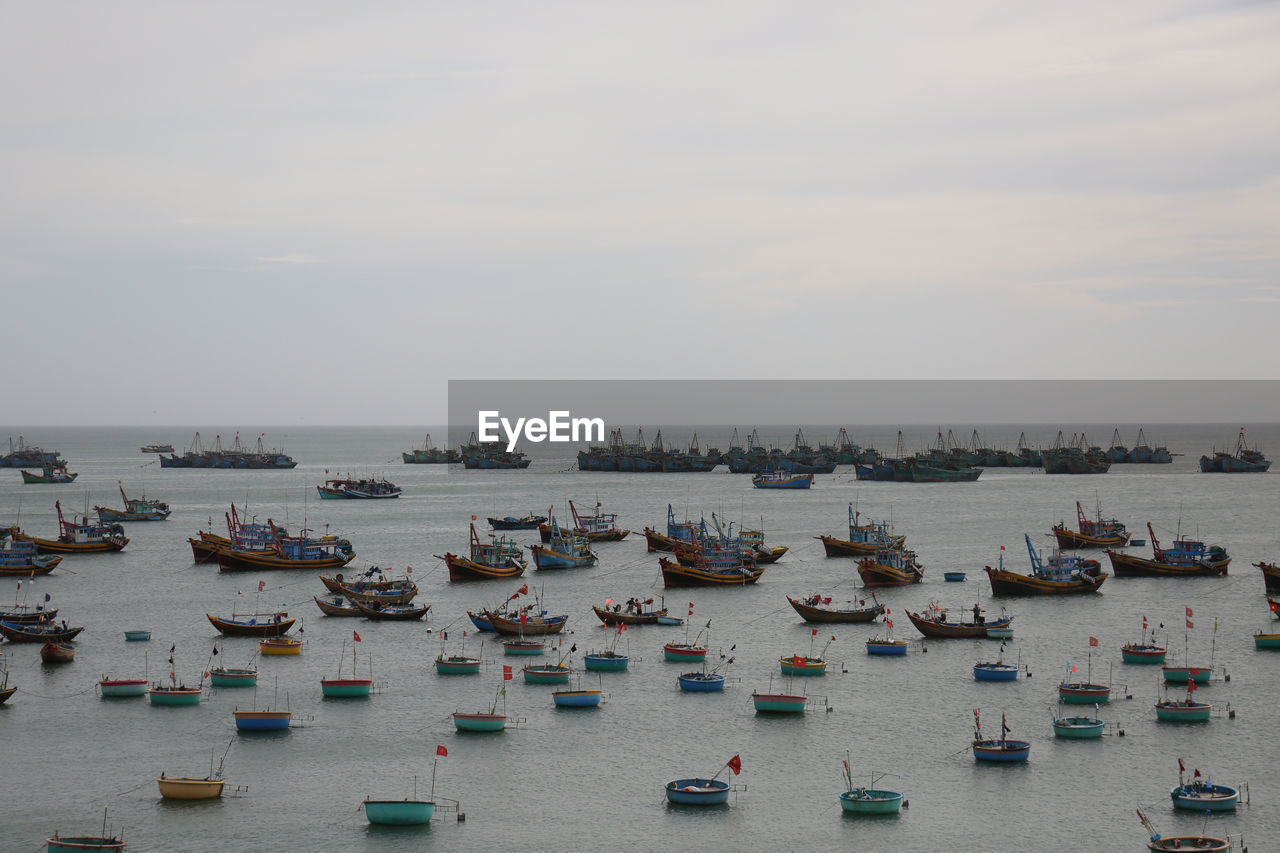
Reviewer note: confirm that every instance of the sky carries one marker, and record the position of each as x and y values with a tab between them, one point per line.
320	213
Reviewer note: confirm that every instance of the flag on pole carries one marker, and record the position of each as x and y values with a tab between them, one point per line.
1189	613
262	585
815	632
1182	768
1093	641
1190	624
440	750
356	636
1144	623
524	618
735	764
833	638
506	673
797	660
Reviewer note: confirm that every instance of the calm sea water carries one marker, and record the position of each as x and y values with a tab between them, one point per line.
577	779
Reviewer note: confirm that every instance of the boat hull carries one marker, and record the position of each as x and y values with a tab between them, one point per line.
1011	583
605	662
577	698
54	546
233	677
1208	797
886	647
697	792
235	628
280	646
479	722
876	575
778	703
1266	641
1078	728
1127	565
457	666
174	695
399	812
1142	654
1184	712
996	750
262	721
1197	843
810	613
995	672
346	688
869	801
122	687
1084	694
1071	540
698	682
188	788
956	630
612	617
675	574
462	569
553	674
681	653
1183	674
522	647
81	843
231	560
804	666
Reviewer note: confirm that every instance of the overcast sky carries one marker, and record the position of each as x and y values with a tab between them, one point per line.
317	213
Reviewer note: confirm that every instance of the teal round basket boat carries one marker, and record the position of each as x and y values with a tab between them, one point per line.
605	661
524	647
1198	796
73	843
137	636
399	812
870	801
346	688
684	653
457	665
119	687
778	703
233	677
162	695
553	673
1262	640
1078	728
479	722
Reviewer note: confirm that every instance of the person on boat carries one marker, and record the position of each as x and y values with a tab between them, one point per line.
978	618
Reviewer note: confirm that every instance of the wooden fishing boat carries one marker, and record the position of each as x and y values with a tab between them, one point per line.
280	646
253	624
262	721
1187	558
781	480
39	632
864	539
233	676
601	527
939	627
695	791
362	489
52	652
21	614
526	625
868	800
998	749
683	531
114	688
498	558
288	552
1058	574
711	573
156	448
890	567
1270	575
1243	460
403	612
79	843
400	591
563	551
631	616
78	536
190	787
1092	533
528	522
23	559
490	722
815	608
577	698
135	509
336	605
50	474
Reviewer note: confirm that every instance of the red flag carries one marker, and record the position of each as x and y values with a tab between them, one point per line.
797	660
1197	773
1073	668
1191	686
1189	613
473	518
1144	623
1275	606
524	618
357	637
1195	672
608	601
889	622
833	638
440	750
1001	547
815	632
1093	641
887	611
261	585
506	673
1182	768
735	764
1190	624
524	590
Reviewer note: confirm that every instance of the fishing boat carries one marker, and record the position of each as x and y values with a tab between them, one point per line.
998	749
25	614
610	659
253	624
683	531
698	791
288	552
1091	533
1188	673
934	623
886	645
23	559
457	664
687	652
995	671
24	454
864	539
808	664
429	454
136	636
1270	575
1266	640
237	456
701	682
817	608
350	687
115	688
233	676
6	689
38	632
954	577
601	527
549	673
563	550
1200	794
336	605
135	509
1143	651
523	648
1058	574
52	652
486	721
1187	558
391	612
1079	727
1083	692
347	488
1198	843
173	693
634	613
1243	460
194	787
280	646
868	800
79	843
1186	710
526	625
498	558
510	522
779	703
406	812
715	569
78	536
262	721
50	474
890	567
584	698
781	480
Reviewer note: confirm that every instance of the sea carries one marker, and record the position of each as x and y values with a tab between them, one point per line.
591	779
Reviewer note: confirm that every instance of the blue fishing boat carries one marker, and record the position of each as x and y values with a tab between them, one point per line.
1199	794
697	791
1243	460
997	671
701	682
564	550
864	539
135	509
781	480
577	698
510	522
998	749
262	721
347	488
